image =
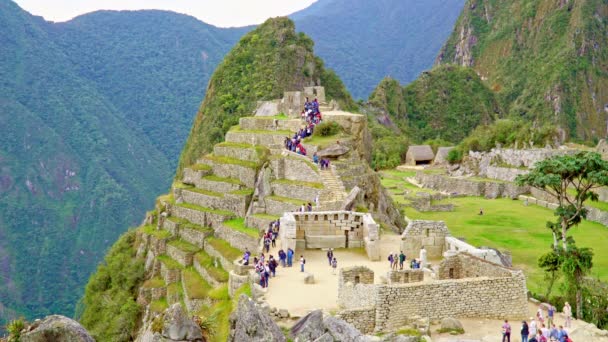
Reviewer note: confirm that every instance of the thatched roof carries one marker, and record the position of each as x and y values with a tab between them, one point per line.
420	152
442	154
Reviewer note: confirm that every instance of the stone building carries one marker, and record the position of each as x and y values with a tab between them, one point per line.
419	155
441	158
428	234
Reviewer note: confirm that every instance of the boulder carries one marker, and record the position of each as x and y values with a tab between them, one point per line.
283	313
250	323
325	338
351	199
588	332
405	338
309	278
340	330
177	326
57	328
451	324
309	327
333	151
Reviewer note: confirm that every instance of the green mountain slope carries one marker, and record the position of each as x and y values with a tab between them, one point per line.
445	103
547	60
364	41
72	174
265	63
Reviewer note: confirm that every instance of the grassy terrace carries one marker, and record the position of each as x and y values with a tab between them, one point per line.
323	142
304	159
232	161
222	310
196	286
217	272
238	224
242	192
298	183
260	150
184	246
200	167
224	248
266	216
168	198
508	224
286	200
205	192
154	283
207	210
238	129
159	234
169	262
214	178
159	305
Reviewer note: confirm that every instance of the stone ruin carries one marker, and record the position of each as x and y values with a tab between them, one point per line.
293	101
464	286
330	229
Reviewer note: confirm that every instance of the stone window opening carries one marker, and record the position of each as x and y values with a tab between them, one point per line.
427	232
357	279
451	273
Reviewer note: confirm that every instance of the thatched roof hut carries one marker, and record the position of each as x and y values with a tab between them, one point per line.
442	155
419	154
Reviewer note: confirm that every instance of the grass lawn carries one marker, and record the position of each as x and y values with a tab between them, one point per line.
508	224
238	224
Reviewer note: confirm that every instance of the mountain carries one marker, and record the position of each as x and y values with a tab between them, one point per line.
93	113
263	64
547	60
445	103
365	41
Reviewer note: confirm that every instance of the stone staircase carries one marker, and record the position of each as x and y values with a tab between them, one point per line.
334	193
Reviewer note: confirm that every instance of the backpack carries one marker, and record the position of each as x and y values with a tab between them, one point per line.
304	261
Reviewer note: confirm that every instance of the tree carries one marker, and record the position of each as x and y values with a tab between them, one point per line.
571	180
575	265
551	262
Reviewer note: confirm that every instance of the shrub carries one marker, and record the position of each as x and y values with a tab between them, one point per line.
454	156
327	129
14	329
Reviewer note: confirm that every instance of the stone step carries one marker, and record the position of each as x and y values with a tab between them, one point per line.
227	167
181	251
194	173
242	151
235	202
210	269
206	217
270	123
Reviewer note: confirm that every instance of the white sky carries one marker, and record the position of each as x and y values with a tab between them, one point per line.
223	13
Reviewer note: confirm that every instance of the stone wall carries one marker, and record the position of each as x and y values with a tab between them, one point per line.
250	154
235	281
356	275
296	191
237	239
464	186
405	276
270	124
430	234
363	319
202	218
295	168
504	173
546	200
245	174
463	265
453	244
234	203
191	176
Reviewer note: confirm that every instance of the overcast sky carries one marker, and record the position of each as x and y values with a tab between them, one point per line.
222	13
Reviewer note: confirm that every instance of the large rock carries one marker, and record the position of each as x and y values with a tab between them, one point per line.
588	332
250	323
178	327
309	327
57	328
333	151
452	324
340	330
309	278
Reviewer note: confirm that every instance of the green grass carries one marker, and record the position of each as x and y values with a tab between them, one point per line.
205	192
169	262
238	224
298	183
408	331
184	246
215	178
177	220
158	233
208	210
217	272
166	198
266	216
154	283
175	289
243	192
232	161
180	185
508	224
159	305
195	226
286	200
220	293
224	248
196	286
262	151
322	142
261	131
599	205
200	167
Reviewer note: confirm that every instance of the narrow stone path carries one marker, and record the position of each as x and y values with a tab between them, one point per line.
334	192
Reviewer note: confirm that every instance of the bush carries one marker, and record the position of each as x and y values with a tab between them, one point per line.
14	329
327	129
454	156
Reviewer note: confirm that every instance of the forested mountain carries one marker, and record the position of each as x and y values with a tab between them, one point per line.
547	60
365	41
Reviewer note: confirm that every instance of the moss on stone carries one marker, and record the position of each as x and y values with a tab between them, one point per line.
196	286
299	183
286	200
154	283
200	167
184	246
158	233
169	262
159	305
243	192
224	248
214	178
232	161
215	270
238	224
205	209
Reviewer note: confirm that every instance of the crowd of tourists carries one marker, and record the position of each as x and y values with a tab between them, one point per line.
537	331
312	116
396	261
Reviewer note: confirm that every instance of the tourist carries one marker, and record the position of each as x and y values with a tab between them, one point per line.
267	272
506	331
303	207
553	333
533	327
544	331
413	264
246	256
267	242
532	339
282	257
272	265
334	265
289	257
330	255
480	211
568	314
395	259
550	314
317	201
562	335
309	207
302	263
390	260
525	331
539	315
274	238
315	158
262	258
401	260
